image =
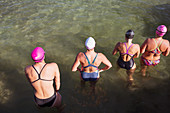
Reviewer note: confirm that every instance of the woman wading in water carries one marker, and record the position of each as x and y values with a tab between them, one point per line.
128	51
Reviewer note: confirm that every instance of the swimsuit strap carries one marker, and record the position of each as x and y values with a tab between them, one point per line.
160	45
127	49
36	71
42	68
95	58
155	41
87	58
39	78
157	44
91	64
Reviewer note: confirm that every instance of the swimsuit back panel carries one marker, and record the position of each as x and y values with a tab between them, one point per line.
126	65
91	64
156	50
90	76
39	74
127	50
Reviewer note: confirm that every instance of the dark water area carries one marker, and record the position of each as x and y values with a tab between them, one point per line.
61	28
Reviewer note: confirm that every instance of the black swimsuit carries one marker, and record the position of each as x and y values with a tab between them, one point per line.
126	64
43	102
39	78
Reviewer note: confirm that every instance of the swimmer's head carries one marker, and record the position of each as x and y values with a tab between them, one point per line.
90	43
38	54
129	34
161	30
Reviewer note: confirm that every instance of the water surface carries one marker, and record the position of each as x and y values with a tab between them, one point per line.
61	28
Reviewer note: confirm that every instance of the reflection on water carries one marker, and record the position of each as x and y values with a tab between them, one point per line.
61	28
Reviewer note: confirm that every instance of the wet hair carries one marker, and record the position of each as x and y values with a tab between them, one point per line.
129	34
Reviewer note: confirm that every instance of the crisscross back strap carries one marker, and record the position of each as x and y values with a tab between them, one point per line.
87	58
38	73
127	49
90	64
159	44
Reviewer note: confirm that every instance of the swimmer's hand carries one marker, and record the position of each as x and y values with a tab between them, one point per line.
100	70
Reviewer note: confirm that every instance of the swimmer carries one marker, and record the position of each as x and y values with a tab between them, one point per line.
41	76
128	51
152	48
90	61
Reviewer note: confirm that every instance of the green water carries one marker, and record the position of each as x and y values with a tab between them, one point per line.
61	28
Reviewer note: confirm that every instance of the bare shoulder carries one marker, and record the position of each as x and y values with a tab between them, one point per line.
136	46
80	54
53	64
101	55
119	43
148	39
27	68
166	41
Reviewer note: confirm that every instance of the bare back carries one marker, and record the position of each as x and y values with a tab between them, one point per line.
43	87
91	55
152	44
133	50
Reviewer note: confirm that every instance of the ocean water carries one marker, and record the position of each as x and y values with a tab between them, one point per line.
61	28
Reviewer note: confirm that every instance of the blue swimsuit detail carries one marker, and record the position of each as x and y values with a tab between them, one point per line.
90	76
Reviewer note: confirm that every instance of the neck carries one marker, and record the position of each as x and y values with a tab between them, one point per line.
129	41
42	62
157	36
90	50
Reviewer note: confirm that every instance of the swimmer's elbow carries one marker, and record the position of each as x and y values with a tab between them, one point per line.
109	66
165	54
73	70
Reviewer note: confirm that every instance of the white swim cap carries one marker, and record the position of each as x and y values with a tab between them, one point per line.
90	43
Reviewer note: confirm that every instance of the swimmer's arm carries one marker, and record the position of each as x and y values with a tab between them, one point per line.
143	46
116	49
26	74
57	78
107	63
76	64
166	53
138	51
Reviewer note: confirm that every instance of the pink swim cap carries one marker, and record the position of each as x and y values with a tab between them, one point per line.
161	30
38	54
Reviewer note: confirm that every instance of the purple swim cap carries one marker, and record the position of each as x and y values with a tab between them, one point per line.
161	30
38	54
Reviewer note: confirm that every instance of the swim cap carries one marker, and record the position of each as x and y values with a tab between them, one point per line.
161	30
38	54
129	34
90	43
